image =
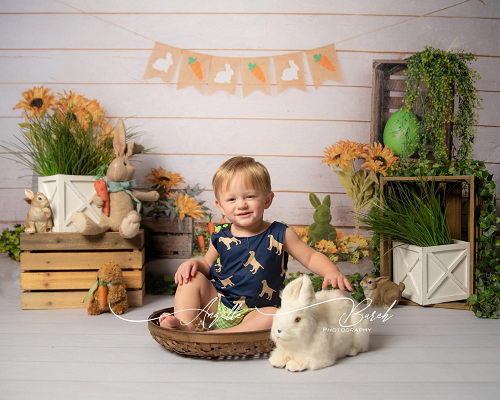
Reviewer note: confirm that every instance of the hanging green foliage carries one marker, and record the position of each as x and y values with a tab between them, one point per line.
440	86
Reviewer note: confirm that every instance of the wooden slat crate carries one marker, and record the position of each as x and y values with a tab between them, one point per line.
454	221
167	238
388	90
58	269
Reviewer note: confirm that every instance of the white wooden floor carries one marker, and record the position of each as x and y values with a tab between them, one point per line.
420	353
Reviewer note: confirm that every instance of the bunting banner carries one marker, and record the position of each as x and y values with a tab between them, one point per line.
256	75
324	65
289	69
163	62
222	73
194	70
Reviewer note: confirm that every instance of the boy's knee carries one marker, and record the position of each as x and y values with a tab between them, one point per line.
195	282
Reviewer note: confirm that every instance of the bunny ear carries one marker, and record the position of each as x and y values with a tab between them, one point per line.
134	148
327	201
29	194
314	200
382	279
119	141
306	295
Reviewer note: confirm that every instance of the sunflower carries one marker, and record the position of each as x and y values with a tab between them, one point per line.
301	231
378	158
160	177
82	109
342	153
36	102
188	206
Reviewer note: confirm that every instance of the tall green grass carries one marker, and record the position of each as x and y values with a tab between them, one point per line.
411	213
58	144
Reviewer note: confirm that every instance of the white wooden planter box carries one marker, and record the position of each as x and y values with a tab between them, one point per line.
67	194
435	274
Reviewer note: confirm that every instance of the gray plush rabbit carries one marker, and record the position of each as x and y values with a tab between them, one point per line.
321	229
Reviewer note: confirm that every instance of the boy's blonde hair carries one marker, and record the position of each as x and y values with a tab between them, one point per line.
254	173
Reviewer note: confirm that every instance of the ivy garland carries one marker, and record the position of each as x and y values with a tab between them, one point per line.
436	79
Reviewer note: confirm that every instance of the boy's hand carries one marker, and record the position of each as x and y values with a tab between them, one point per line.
337	278
185	271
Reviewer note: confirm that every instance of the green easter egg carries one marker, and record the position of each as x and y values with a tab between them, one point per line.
401	126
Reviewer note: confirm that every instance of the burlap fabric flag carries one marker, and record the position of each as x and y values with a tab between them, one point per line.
194	70
162	62
324	65
256	75
289	70
223	74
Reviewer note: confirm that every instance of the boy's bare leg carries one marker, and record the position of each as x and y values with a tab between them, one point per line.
254	321
198	294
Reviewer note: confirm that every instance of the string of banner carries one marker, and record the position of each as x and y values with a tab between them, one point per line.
221	73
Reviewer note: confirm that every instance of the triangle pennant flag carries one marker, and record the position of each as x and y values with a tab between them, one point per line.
256	75
162	62
324	65
289	69
223	74
194	70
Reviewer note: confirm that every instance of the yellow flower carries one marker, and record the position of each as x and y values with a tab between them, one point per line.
340	235
342	153
36	101
326	246
378	158
188	206
163	178
82	109
301	231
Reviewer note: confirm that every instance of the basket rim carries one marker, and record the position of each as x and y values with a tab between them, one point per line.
203	337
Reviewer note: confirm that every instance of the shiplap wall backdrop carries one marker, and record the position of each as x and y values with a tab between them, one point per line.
101	48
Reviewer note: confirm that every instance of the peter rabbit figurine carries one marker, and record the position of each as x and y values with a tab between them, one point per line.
39	217
122	217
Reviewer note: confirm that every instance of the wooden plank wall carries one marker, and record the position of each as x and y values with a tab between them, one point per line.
100	49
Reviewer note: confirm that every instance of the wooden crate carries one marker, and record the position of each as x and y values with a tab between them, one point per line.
167	238
58	269
388	90
454	220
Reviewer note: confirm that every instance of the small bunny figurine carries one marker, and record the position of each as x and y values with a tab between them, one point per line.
313	330
382	291
321	229
39	217
122	216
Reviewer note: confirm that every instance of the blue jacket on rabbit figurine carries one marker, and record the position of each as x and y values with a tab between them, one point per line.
321	229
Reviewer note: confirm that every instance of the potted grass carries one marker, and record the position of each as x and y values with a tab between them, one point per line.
433	266
67	142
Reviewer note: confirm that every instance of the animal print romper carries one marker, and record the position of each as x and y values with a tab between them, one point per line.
249	270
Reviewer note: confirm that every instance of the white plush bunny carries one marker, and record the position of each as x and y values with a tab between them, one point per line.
310	335
224	76
289	74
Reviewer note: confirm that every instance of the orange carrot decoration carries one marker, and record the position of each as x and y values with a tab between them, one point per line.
102	293
222	220
324	61
102	191
196	67
211	228
257	71
201	242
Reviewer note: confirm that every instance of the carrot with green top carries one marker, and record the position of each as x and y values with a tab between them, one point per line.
196	67
324	61
102	293
211	228
257	72
101	188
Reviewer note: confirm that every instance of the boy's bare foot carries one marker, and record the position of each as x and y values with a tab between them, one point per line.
167	320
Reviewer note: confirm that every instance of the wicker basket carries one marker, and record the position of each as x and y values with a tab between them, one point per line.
201	344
